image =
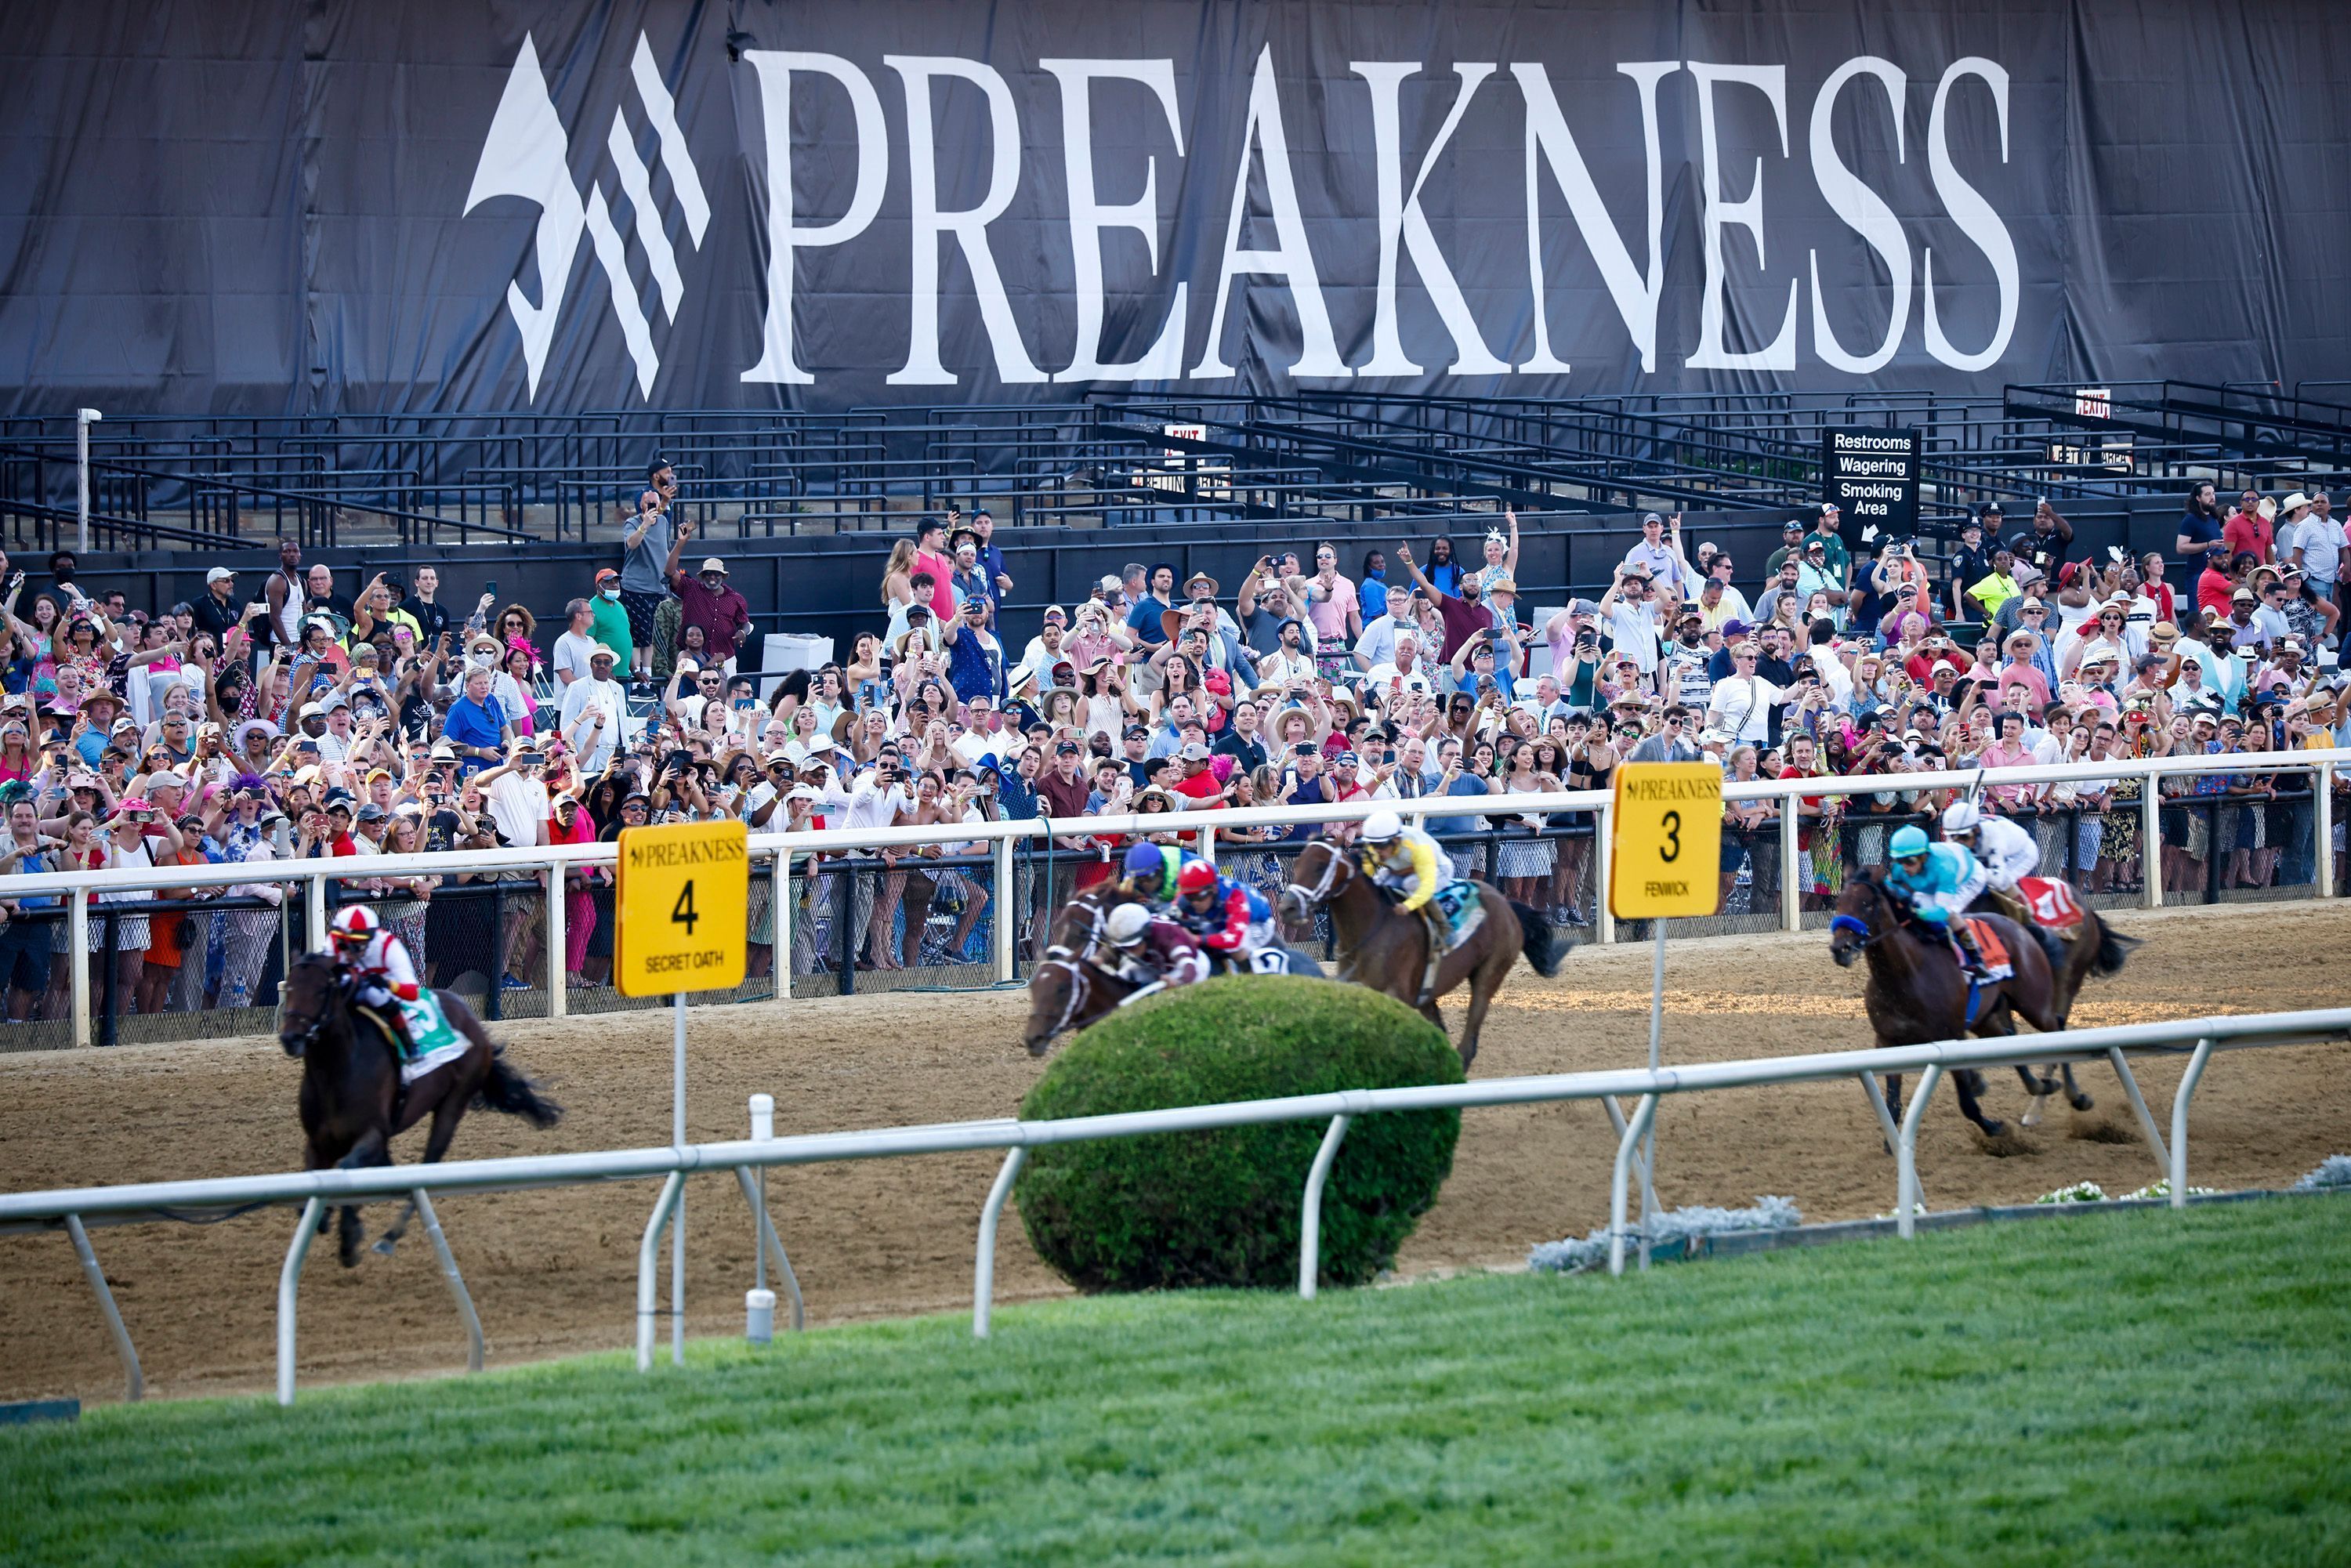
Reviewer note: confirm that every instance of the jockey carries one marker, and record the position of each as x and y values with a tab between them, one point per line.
1153	948
1939	879
1405	859
2008	853
379	961
1152	872
1232	920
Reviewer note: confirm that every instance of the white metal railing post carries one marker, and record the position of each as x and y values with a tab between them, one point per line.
2322	826
78	940
1627	1151
289	1282
558	926
983	1269
134	1381
2147	1127
1310	1210
2150	840
314	913
83	419
2187	1082
787	908
1006	914
1905	1155
649	1268
1791	886
449	1274
1604	860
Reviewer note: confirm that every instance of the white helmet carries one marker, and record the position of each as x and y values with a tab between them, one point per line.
1126	925
1383	827
1961	817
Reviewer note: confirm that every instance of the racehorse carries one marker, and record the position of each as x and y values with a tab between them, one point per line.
2096	949
1918	993
352	1101
1386	949
1067	991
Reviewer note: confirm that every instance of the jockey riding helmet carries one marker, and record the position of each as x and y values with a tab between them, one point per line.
1910	843
1144	861
1383	827
1199	876
1126	925
1960	817
353	926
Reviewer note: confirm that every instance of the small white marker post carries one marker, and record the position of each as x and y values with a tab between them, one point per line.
677	1223
1665	858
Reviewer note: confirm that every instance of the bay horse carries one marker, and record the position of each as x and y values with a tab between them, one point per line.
1383	948
1067	991
2097	949
353	1103
1918	991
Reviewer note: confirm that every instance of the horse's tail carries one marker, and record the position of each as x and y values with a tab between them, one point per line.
1542	946
508	1090
2114	949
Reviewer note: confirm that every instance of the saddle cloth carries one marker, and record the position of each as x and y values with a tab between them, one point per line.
437	1040
2053	904
1997	964
1463	912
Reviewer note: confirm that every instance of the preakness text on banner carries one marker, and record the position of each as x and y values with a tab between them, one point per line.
425	206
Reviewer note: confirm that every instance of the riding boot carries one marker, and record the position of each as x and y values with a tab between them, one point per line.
1971	957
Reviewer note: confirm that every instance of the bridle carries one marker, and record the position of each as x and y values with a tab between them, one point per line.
1864	936
1059	957
312	1027
1324	885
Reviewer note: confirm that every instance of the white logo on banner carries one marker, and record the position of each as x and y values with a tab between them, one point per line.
528	155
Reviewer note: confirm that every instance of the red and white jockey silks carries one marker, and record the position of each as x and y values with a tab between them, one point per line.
383	961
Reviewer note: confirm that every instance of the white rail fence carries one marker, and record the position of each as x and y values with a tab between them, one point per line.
73	1209
782	850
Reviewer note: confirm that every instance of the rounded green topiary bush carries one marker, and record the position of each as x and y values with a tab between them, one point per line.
1222	1207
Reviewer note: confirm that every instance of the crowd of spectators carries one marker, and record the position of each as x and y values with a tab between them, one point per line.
291	719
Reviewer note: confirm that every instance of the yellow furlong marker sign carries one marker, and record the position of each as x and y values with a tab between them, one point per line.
682	899
1665	855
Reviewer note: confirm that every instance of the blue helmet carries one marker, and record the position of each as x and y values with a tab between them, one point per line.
1907	841
1145	860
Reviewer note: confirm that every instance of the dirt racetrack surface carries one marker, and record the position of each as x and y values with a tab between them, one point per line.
554	1271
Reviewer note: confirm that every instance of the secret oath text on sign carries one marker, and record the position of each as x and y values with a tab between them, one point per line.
1666	844
682	900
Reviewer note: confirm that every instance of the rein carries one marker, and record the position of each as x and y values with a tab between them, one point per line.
1059	958
1315	895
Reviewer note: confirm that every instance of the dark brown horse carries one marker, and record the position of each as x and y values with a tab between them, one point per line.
1918	990
353	1103
1067	991
1386	949
2096	949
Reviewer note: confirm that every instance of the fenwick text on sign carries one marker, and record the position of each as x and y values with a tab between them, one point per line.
683	897
1666	845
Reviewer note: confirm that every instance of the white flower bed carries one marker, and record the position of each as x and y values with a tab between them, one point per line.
1572	1256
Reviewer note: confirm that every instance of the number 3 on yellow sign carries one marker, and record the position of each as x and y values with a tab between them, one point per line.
1664	845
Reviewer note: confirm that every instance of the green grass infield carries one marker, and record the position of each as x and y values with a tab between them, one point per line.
2137	1387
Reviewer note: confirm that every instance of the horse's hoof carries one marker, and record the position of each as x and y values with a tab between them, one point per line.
1994	1129
2032	1118
2081	1101
383	1247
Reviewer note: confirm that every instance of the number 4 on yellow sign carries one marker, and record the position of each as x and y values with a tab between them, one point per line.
676	885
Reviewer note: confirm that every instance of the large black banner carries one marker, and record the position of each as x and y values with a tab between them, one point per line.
442	205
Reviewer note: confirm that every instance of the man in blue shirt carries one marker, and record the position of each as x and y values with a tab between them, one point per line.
1143	619
2200	525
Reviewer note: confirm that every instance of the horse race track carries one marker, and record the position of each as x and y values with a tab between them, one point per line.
2142	1387
554	1273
